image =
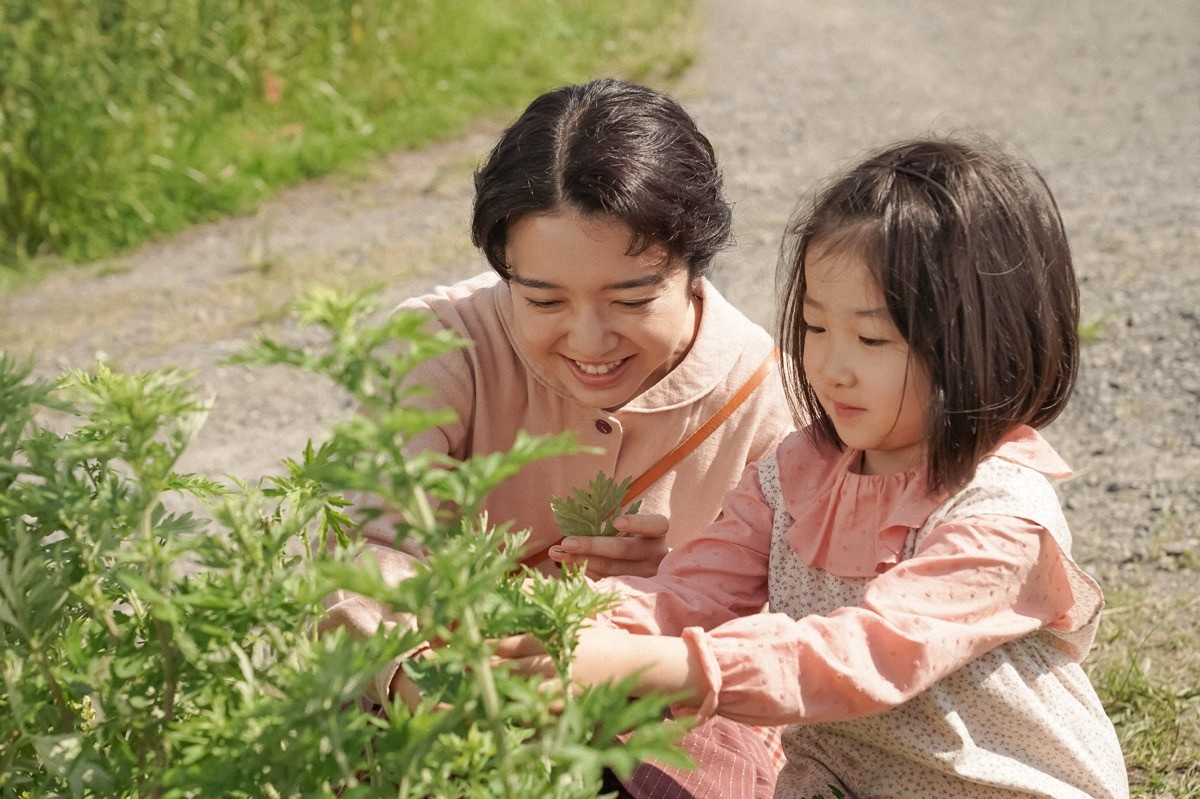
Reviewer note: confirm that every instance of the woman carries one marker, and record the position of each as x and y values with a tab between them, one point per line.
600	211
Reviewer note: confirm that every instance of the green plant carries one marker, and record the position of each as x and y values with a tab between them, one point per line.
1145	674
1092	330
157	629
590	510
120	120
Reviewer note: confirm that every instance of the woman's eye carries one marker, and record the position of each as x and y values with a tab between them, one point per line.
542	303
813	329
634	303
872	342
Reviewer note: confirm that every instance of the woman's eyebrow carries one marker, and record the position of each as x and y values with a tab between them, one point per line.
638	283
635	283
532	283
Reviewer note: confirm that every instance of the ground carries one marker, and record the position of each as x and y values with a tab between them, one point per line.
1103	96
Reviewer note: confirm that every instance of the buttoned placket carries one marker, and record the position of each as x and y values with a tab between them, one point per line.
606	432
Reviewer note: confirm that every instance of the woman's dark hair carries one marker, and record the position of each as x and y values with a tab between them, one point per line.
606	148
969	248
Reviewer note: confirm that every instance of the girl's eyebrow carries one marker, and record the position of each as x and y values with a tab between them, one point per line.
880	312
636	283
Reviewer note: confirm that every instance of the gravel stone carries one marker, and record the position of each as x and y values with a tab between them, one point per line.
1103	96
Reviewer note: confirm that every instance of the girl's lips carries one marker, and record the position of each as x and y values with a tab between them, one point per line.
844	411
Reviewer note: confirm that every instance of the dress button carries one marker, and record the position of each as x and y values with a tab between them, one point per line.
603	426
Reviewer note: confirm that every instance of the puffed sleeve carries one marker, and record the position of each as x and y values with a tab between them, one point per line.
972	585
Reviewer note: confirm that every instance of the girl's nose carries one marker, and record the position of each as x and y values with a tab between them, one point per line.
836	368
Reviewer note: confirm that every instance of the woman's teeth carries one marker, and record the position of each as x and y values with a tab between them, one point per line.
598	368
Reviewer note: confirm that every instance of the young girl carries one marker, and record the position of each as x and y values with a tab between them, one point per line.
926	619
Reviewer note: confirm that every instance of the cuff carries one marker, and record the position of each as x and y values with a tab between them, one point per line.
696	641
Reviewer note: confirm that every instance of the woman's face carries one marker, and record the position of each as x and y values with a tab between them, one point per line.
607	324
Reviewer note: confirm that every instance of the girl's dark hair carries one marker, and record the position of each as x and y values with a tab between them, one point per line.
969	248
606	148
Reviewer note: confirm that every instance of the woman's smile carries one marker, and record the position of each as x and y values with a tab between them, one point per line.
604	323
599	369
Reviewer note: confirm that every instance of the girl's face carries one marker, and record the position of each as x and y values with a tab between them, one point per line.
607	324
859	365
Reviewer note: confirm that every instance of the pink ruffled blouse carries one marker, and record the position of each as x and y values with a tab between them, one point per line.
969	586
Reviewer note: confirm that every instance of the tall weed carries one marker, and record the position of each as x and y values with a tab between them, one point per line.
120	120
148	650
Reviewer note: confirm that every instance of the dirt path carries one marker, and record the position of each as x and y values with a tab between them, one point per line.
1104	96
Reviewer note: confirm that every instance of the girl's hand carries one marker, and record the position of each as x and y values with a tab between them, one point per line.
663	663
596	658
636	550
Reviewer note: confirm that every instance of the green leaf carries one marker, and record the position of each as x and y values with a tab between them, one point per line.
590	511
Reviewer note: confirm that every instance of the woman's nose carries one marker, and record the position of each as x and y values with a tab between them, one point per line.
591	336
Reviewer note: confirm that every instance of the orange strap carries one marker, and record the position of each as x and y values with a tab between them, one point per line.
680	452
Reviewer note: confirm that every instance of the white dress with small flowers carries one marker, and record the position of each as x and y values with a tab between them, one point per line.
1022	720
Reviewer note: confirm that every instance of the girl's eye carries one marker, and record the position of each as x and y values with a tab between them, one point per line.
872	342
542	303
813	329
634	303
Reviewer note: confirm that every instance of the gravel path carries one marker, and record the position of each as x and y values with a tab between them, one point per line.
1104	96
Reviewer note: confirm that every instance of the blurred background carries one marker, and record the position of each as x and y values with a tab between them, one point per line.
173	173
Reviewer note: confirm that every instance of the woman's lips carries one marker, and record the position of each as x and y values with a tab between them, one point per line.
599	368
597	375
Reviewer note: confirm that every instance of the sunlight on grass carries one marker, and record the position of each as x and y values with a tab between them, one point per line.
123	121
1144	670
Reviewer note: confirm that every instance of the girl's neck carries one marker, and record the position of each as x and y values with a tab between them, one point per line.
877	462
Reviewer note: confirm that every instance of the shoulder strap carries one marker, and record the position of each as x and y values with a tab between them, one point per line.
680	452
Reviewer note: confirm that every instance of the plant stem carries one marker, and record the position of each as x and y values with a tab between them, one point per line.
491	700
164	634
60	699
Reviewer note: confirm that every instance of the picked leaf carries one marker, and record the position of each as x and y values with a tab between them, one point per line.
590	511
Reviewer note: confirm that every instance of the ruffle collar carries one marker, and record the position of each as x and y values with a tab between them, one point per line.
843	522
856	525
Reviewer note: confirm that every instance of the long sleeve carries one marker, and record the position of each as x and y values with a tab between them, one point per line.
973	586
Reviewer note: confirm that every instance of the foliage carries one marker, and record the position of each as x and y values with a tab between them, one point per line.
1144	671
157	629
591	510
119	119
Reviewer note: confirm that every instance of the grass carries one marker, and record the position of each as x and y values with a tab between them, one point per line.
124	121
1147	672
1091	331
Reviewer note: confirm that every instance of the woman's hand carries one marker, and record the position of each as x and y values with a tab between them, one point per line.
636	550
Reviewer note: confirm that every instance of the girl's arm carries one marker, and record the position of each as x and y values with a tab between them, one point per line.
663	664
973	585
